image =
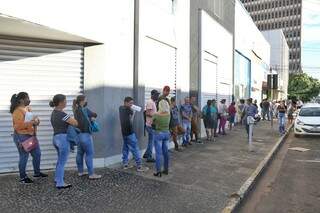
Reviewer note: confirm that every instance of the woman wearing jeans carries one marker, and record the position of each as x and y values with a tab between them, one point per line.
85	147
60	122
161	122
282	109
23	130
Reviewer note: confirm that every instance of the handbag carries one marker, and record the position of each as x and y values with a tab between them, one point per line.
30	144
93	125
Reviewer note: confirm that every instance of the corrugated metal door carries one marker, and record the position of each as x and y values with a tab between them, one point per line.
158	66
42	69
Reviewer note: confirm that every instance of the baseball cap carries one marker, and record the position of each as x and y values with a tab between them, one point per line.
166	88
154	92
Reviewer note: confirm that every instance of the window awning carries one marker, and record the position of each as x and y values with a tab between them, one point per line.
15	27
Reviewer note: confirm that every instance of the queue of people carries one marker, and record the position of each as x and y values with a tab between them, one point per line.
163	120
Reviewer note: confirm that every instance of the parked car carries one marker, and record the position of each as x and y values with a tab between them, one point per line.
308	120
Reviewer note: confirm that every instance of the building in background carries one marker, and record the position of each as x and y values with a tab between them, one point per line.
252	58
280	14
279	61
121	48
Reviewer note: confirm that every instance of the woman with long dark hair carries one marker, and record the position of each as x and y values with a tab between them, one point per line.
84	116
24	129
60	122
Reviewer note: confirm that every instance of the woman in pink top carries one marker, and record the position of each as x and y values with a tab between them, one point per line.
232	114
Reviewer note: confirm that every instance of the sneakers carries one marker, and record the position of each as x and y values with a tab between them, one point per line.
26	181
151	160
142	169
95	177
125	167
66	186
40	175
81	174
199	142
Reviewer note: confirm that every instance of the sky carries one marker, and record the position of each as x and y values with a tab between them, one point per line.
311	37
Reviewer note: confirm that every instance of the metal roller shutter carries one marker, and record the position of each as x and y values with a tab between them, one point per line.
42	69
158	66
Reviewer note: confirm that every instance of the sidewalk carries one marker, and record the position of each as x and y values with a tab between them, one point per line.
201	179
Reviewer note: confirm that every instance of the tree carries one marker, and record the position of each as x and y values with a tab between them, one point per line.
302	86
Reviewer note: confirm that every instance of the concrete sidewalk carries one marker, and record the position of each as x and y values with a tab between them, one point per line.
201	179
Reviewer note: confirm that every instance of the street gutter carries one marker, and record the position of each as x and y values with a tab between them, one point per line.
236	198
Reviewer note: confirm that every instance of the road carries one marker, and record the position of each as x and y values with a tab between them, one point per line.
291	184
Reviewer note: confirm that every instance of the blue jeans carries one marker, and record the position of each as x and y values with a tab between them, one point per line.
63	148
148	152
187	127
130	143
23	156
85	147
161	146
282	122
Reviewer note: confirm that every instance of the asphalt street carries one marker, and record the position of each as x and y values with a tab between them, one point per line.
291	182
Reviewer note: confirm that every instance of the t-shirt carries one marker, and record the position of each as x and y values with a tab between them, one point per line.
232	110
251	110
209	113
174	120
161	122
282	109
59	122
186	110
152	109
162	97
126	115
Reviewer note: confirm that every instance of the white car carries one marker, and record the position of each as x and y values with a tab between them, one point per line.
308	120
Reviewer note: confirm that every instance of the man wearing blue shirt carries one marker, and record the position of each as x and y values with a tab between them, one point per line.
250	110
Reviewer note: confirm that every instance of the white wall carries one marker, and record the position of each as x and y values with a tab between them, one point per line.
250	42
279	60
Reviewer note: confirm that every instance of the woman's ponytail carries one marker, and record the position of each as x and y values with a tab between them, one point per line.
15	100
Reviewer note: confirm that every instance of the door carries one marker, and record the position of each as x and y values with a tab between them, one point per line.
158	66
41	69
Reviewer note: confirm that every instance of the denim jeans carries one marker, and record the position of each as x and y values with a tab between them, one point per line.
161	146
23	156
130	143
148	152
63	148
187	127
85	147
282	122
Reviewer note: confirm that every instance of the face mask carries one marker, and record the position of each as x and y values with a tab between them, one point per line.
85	104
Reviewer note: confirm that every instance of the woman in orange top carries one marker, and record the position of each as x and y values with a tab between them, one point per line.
24	128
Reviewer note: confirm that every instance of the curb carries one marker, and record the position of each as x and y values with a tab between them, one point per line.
236	198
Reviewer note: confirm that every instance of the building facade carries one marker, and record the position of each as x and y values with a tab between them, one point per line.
252	58
279	62
280	14
117	49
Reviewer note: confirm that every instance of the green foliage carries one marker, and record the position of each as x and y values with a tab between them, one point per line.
303	86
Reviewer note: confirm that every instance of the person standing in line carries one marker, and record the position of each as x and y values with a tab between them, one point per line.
162	136
215	126
282	109
164	96
255	103
23	130
130	141
196	117
60	122
250	110
291	110
209	115
84	115
265	108
240	111
232	114
175	127
186	113
223	113
150	110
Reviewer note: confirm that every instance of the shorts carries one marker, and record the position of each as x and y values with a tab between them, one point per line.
232	118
